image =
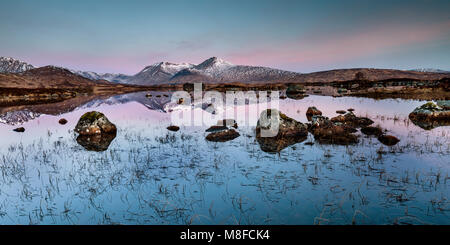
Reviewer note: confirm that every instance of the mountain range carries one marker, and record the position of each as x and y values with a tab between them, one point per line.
213	71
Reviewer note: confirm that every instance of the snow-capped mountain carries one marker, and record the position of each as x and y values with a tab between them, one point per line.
430	70
217	70
158	72
211	70
213	66
10	65
111	77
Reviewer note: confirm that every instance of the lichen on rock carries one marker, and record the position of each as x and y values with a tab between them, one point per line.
93	123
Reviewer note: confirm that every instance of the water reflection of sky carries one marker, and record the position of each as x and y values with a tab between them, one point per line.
152	176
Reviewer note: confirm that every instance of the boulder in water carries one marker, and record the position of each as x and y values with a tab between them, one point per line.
19	130
288	132
372	131
62	121
388	140
173	128
94	123
431	115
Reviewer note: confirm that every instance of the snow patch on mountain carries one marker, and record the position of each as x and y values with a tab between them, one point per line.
10	65
158	72
430	70
218	70
166	67
213	66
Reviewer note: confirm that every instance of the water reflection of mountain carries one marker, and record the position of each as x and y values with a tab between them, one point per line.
155	100
14	115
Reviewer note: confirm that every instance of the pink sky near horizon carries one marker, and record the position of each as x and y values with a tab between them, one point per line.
312	51
304	52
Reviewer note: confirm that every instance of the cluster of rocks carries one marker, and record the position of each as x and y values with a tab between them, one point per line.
326	131
342	128
96	132
431	115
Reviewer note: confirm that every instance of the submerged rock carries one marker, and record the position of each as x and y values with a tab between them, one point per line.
349	119
372	131
173	128
19	130
431	115
388	140
330	133
93	123
99	142
62	121
274	139
223	136
274	144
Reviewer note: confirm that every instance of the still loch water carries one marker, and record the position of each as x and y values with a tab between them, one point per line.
149	175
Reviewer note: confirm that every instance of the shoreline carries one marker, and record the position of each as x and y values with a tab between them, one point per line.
384	89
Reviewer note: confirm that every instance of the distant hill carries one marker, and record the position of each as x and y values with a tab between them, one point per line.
47	77
368	74
111	77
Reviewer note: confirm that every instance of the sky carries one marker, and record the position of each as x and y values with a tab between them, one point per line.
302	36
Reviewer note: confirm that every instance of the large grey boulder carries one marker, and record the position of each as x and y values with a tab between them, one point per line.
276	131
